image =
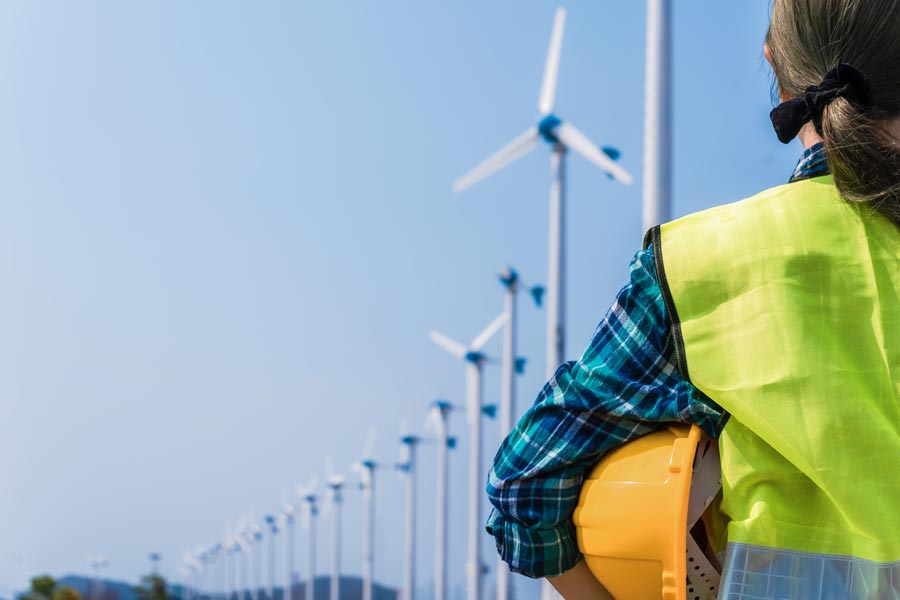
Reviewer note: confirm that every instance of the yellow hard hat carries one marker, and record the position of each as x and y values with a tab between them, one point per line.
636	514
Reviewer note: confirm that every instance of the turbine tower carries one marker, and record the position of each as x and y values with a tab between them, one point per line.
475	360
437	422
510	366
657	200
366	470
272	522
407	466
335	484
256	537
97	563
309	522
243	540
287	516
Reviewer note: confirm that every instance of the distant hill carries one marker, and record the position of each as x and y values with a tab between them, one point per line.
351	589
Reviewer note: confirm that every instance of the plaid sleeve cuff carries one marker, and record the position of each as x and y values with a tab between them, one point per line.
534	551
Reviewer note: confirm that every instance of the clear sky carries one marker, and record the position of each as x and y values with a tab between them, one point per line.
227	227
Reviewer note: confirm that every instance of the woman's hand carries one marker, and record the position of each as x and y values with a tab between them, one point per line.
578	583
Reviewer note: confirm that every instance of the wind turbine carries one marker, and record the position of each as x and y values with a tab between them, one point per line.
335	483
256	537
366	470
243	540
309	522
212	556
437	422
97	562
272	522
287	516
407	466
510	366
190	570
232	549
475	360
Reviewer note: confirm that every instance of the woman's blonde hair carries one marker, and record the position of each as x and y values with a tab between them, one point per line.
807	38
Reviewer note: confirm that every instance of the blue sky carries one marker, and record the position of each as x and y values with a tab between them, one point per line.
228	226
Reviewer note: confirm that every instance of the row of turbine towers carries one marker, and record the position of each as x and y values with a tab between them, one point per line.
562	137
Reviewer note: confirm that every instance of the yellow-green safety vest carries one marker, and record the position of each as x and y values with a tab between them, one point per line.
785	308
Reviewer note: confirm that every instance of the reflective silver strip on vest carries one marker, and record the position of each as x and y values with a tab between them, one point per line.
756	573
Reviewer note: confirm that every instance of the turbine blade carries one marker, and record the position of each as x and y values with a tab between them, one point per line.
551	69
516	149
577	141
451	346
485	336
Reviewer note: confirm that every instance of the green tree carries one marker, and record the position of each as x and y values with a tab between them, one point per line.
66	593
42	588
153	587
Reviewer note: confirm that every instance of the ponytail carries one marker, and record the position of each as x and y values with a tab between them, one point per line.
862	140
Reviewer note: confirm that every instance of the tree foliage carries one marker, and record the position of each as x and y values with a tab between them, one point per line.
153	587
66	593
42	588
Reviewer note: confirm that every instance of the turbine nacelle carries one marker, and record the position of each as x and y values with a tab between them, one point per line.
476	358
547	128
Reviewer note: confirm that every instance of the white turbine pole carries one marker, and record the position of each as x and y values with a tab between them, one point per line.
556	314
273	531
657	200
368	488
226	571
335	540
474	567
256	548
288	514
311	550
409	541
510	281
441	409
556	329
245	569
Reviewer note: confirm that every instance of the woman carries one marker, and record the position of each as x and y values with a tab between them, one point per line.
772	323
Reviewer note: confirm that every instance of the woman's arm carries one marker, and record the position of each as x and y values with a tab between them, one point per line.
578	583
624	386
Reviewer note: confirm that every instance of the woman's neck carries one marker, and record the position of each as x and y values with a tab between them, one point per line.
808	136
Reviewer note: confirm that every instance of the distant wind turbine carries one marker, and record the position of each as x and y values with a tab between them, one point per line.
475	360
97	563
272	522
366	469
437	423
407	466
287	517
307	493
511	365
256	537
335	483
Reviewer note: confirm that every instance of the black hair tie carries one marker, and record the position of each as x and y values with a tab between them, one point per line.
843	81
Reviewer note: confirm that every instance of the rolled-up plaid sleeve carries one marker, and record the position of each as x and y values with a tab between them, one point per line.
625	385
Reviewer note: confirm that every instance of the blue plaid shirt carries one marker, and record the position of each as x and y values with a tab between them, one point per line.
625	385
